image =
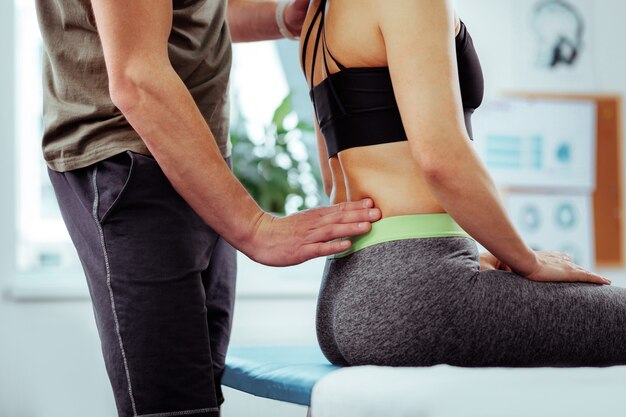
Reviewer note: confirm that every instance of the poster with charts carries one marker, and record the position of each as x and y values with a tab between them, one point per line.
553	45
555	222
537	143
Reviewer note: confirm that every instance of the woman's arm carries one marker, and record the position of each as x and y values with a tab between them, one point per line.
421	54
255	20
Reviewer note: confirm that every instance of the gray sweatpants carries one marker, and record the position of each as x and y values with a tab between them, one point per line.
423	302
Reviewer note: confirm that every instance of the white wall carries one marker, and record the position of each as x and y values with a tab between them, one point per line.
493	25
50	362
7	117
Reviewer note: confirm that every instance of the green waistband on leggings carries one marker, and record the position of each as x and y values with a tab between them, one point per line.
413	226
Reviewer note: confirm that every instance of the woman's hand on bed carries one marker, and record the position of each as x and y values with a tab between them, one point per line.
290	240
558	267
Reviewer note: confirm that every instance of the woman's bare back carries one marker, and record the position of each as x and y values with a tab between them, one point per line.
386	172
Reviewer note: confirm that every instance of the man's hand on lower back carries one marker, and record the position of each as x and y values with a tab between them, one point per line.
283	241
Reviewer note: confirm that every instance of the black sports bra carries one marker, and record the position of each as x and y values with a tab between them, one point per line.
357	106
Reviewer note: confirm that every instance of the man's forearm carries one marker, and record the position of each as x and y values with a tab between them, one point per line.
253	20
162	111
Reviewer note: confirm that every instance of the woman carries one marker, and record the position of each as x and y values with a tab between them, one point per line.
394	85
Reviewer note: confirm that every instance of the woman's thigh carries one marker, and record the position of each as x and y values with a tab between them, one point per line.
509	320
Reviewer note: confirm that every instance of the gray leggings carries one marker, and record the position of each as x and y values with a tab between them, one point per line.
423	302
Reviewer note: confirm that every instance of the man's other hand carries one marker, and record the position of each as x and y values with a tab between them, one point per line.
295	14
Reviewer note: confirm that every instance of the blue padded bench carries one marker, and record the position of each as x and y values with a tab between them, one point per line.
301	375
279	373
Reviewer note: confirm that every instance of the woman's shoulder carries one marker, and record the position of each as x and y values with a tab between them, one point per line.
421	15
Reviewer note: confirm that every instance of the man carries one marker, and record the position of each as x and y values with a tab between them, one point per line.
136	139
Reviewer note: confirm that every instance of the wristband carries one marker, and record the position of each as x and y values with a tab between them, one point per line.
280	19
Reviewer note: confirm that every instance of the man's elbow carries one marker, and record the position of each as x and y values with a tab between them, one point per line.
131	83
125	91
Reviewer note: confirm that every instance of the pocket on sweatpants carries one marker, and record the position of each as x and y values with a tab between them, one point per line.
112	179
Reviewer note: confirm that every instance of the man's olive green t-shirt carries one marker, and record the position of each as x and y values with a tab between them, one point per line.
82	126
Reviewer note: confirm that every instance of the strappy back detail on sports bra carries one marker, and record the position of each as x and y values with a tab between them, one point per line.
357	106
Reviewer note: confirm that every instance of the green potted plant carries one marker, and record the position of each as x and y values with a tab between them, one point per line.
278	172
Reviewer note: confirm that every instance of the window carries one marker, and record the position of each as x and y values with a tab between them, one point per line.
43	244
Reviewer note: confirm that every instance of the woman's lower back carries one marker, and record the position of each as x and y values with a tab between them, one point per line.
388	174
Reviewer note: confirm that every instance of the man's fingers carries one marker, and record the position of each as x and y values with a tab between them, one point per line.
351	216
333	247
350	205
316	250
344	213
336	231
